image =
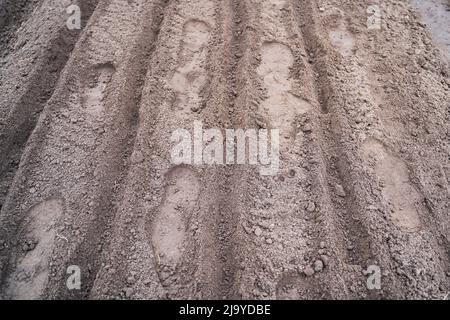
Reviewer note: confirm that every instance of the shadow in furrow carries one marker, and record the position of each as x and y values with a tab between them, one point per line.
12	14
22	119
315	50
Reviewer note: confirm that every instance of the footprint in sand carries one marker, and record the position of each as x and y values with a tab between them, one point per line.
31	274
281	106
396	185
170	224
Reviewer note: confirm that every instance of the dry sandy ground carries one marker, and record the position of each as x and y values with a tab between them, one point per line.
86	176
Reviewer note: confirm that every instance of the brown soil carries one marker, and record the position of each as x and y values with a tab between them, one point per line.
86	176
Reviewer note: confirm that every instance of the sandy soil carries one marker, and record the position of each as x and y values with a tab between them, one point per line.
86	176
